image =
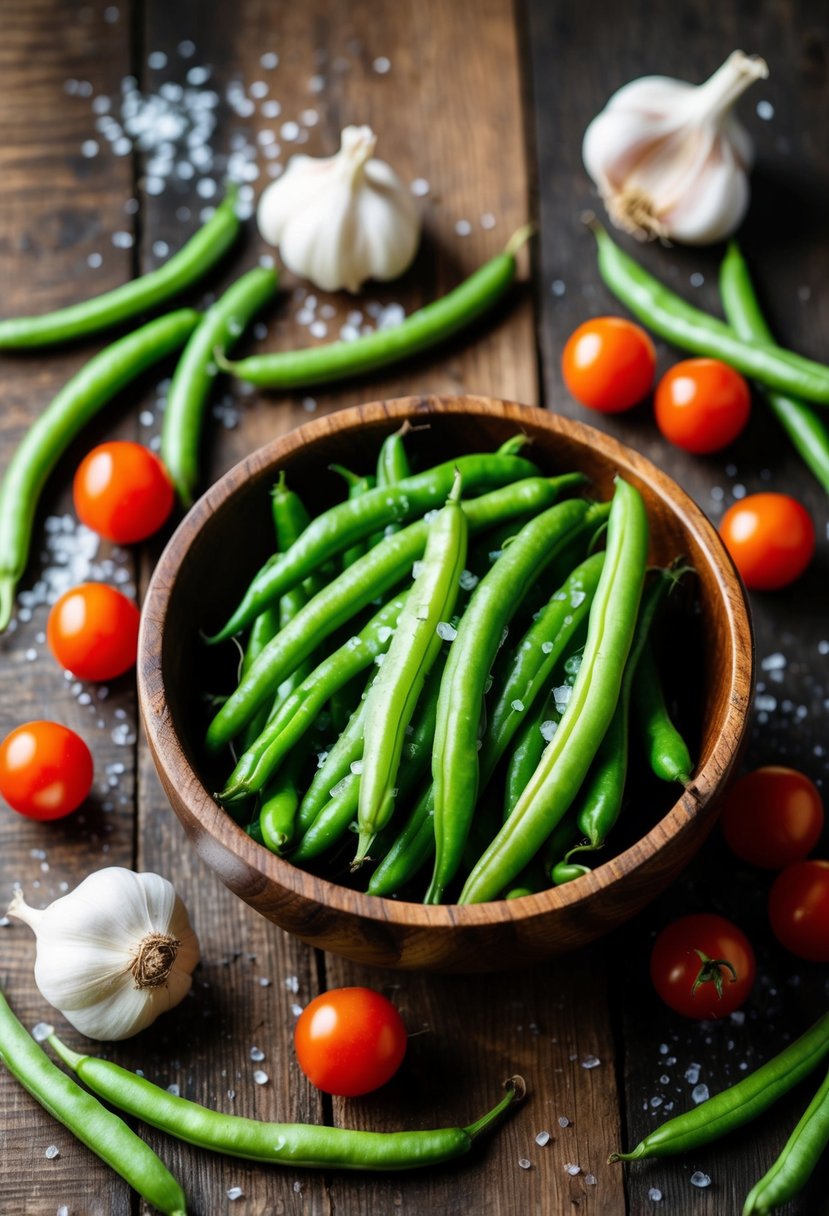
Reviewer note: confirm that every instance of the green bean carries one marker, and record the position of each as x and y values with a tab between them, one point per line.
342	526
300	709
410	850
50	434
347	750
738	1104
600	797
196	370
567	757
804	428
691	329
393	461
666	750
418	332
296	1144
795	1165
357	486
414	648
529	748
280	801
372	576
130	300
98	1128
455	766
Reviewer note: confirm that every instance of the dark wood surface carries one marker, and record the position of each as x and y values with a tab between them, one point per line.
488	106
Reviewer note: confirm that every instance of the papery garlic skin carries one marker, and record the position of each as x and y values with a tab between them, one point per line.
114	953
670	159
342	219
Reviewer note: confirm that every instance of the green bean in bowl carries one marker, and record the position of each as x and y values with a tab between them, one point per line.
433	754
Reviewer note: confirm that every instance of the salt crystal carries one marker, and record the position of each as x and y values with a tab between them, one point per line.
772	662
590	1179
467	580
174	1090
558	287
381	65
563	1121
700	1093
41	1032
269	60
488	220
548	729
572	1169
696	279
699	1179
655	1194
235	1192
356	766
446	631
517	705
692	1073
198	75
271	109
161	249
419	187
289	131
524	1163
463	228
765	110
157	60
260	1077
52	1152
256	1054
591	1062
543	1138
4	922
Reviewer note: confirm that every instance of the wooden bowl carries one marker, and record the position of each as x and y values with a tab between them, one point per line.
225	538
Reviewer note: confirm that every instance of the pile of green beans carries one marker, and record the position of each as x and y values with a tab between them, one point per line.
410	758
745	1101
296	1144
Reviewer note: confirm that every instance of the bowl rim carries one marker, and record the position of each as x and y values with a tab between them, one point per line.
171	759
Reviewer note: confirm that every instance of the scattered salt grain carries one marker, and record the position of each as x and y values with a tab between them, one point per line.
174	1090
41	1032
90	148
235	1192
572	1169
488	220
463	228
260	1077
256	1054
590	1179
590	1062
381	65
296	1010
419	187
123	240
765	110
289	131
157	60
699	1179
696	279
468	580
524	1163
4	922
543	1138
692	1073
94	260
446	632
563	1121
291	982
517	705
700	1093
52	1152
558	287
548	729
269	60
655	1194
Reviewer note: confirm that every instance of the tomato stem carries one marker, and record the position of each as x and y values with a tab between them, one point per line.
711	972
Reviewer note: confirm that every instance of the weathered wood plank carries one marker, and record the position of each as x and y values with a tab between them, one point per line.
575	71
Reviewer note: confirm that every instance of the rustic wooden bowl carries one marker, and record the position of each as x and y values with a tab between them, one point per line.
224	539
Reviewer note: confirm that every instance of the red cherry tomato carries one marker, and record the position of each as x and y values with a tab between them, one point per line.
771	539
92	631
772	817
122	491
799	909
350	1041
701	405
608	364
45	770
690	985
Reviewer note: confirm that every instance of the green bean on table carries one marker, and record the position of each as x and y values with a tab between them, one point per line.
99	1129
147	293
672	318
738	1104
80	399
796	1163
352	521
375	573
455	766
298	1144
567	758
418	332
414	648
196	371
806	430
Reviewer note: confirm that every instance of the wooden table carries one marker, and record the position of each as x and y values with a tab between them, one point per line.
485	107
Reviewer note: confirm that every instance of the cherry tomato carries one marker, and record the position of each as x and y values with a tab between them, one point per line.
799	909
45	770
772	817
771	539
350	1041
122	491
92	631
608	364
689	966
701	405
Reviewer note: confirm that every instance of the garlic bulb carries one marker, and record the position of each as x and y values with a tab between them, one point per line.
670	159
342	219
114	953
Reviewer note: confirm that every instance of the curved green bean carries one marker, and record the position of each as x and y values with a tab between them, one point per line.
691	329
796	1163
418	332
50	434
149	292
666	750
98	1128
294	1144
567	758
414	648
196	371
805	429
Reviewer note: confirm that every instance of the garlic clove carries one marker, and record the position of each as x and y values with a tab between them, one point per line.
343	219
114	953
670	159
